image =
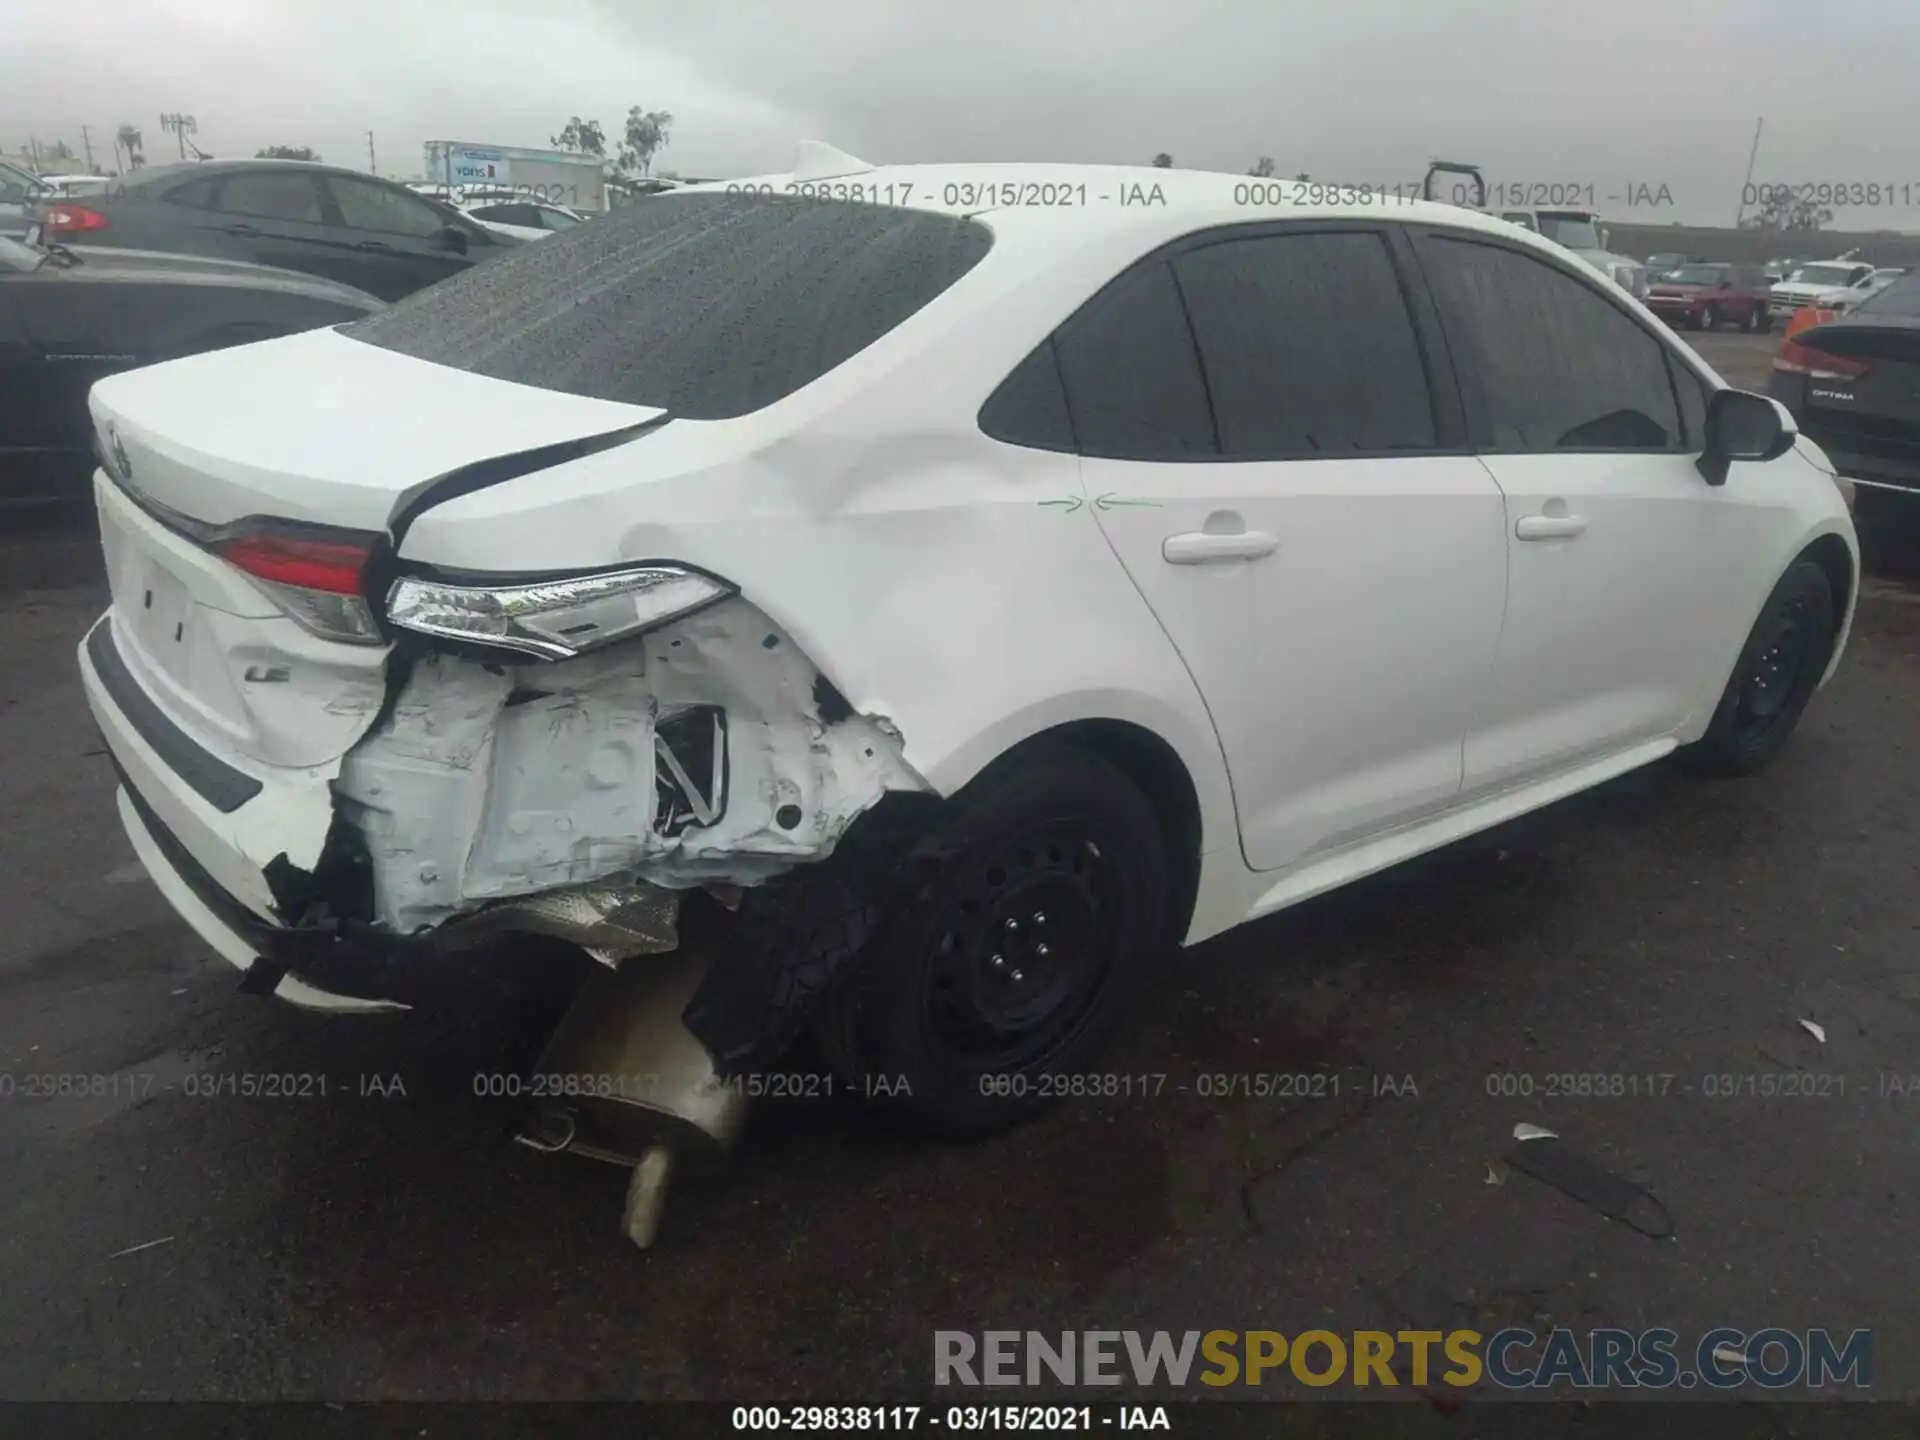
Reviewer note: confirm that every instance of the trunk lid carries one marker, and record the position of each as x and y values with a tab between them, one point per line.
1886	352
323	428
315	428
1867	414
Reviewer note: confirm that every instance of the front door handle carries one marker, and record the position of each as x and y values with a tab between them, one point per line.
1549	527
1198	547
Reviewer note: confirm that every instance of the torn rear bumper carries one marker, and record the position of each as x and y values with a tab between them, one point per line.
267	955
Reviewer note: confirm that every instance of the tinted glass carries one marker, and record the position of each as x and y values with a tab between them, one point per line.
369	205
506	214
704	305
1306	346
270	194
1692	393
1552	364
195	194
555	219
1133	381
1030	407
1697	275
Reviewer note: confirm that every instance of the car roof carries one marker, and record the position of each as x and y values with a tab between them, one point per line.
1014	198
157	174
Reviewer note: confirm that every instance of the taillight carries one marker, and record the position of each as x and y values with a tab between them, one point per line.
314	572
58	220
558	618
1798	359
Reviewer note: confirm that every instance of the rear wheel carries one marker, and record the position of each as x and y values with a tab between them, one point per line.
1758	321
1782	662
1015	934
1710	318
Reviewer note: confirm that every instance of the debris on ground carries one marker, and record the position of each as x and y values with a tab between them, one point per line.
135	1249
1591	1183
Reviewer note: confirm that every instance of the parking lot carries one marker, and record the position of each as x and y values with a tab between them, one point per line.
387	1240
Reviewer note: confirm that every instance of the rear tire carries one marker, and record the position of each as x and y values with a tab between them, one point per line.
1015	934
1782	662
1758	322
1710	318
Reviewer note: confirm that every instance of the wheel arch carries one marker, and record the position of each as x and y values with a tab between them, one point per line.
1162	776
1831	554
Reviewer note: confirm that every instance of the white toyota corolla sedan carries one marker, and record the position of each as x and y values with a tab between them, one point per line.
968	583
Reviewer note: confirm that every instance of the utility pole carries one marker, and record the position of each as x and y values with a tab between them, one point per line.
86	143
1751	155
372	169
181	126
33	149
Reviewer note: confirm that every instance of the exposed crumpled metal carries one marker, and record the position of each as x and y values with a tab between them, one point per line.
611	920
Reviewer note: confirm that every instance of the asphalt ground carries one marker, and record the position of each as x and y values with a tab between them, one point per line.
388	1241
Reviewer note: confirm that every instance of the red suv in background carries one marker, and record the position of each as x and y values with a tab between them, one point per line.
1705	295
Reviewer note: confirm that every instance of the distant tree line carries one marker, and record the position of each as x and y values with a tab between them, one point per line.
644	137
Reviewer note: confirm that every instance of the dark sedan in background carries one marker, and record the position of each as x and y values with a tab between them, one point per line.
1853	384
68	317
321	220
1701	297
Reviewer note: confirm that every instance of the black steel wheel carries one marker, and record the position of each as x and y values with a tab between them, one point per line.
1015	933
1779	667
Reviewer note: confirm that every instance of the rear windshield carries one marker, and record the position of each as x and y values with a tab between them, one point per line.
1697	275
708	306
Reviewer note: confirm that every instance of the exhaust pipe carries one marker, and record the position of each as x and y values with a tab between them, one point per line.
636	1088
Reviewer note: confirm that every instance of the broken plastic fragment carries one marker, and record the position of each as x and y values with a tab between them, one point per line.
1496	1174
1814	1030
1524	1131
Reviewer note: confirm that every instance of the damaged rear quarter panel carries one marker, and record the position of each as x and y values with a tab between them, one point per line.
941	579
497	781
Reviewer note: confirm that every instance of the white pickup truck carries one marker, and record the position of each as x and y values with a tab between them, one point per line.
1580	231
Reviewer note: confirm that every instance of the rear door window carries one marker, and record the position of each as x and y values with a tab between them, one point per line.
708	306
270	195
1132	374
386	209
1307	346
1547	361
195	194
1030	407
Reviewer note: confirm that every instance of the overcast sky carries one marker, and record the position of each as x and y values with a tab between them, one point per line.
1611	93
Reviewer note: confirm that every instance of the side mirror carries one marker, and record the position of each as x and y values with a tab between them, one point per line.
455	239
1744	426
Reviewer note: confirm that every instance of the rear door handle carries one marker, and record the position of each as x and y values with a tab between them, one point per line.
1549	527
1198	547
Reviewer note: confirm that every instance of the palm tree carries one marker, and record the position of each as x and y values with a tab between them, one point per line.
128	138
